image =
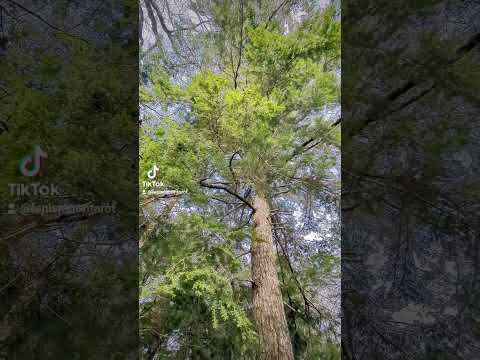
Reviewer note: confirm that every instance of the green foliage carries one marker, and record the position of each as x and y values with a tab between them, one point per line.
197	274
71	115
275	58
323	351
245	131
66	96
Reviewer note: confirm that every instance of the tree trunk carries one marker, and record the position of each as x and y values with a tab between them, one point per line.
268	307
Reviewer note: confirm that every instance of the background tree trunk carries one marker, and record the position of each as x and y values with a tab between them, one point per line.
271	323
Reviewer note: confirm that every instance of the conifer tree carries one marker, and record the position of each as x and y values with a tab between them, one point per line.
245	132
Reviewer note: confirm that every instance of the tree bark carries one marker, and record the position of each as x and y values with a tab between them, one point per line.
271	323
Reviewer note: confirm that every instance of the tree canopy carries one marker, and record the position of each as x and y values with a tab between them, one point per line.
250	128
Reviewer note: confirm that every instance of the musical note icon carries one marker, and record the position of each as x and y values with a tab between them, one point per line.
153	172
32	165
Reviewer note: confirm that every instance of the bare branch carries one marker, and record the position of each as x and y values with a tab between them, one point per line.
43	20
231	192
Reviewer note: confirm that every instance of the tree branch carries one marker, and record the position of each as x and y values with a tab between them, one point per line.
242	20
43	20
337	122
226	189
274	13
230	165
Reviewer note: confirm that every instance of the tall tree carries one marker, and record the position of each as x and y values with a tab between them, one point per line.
248	131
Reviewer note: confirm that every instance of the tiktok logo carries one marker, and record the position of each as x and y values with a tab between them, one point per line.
150	186
33	164
152	174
